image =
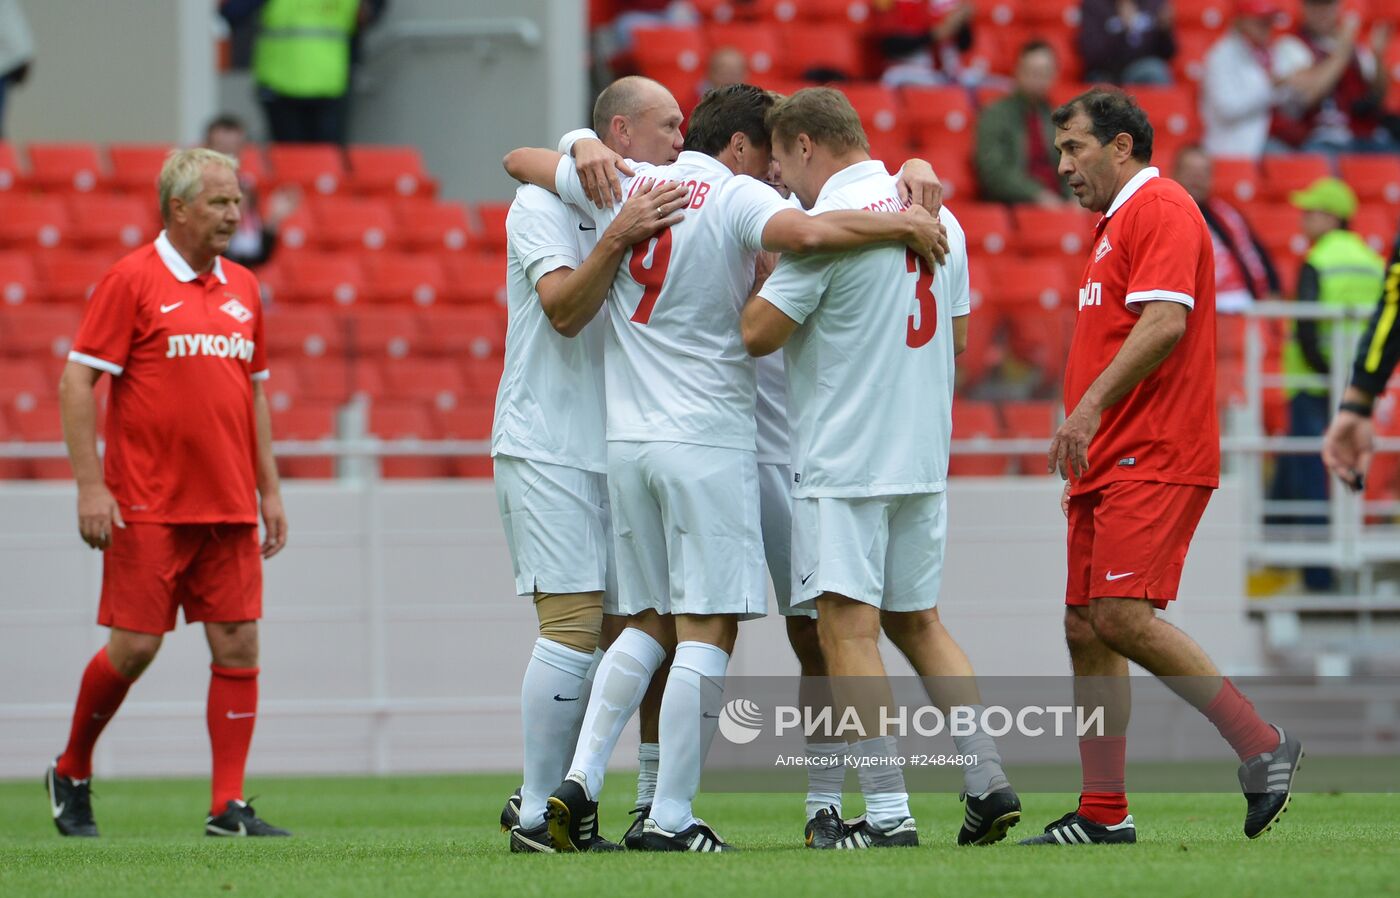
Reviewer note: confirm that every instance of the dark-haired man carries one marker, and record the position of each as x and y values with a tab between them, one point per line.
1140	453
682	470
1015	154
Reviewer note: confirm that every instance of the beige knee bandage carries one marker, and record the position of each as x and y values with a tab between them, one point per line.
571	619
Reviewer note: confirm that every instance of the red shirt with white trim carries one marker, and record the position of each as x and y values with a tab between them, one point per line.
183	351
1151	246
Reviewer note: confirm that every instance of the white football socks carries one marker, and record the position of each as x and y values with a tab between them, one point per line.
882	782
585	693
826	776
618	687
689	718
551	706
648	760
986	774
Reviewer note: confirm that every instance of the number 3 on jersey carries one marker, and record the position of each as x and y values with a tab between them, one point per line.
649	269
921	330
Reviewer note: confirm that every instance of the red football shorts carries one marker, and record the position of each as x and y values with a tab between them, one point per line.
213	571
1129	540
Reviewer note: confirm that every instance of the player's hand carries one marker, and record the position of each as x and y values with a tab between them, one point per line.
918	185
98	513
1069	450
1347	447
928	238
1064	500
275	521
647	214
598	169
763	267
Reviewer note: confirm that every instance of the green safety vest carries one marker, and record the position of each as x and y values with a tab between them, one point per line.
1350	274
303	47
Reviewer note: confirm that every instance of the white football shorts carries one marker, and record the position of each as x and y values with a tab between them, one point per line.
556	523
775	516
885	551
686	529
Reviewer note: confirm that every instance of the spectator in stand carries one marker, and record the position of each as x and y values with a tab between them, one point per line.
1238	90
1127	41
727	66
1338	85
922	41
615	38
256	238
16	50
1340	271
1016	158
1243	271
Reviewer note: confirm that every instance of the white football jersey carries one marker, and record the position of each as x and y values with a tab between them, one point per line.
676	366
550	404
770	411
870	370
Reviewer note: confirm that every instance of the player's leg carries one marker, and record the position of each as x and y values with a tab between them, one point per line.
1152	526
222	589
826	768
649	718
138	606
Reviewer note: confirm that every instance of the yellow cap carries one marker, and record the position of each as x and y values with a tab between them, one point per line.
1328	195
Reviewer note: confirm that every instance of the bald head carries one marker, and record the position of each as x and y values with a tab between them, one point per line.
640	119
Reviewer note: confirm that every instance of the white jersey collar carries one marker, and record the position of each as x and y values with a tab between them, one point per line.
1130	188
178	266
850	175
696	158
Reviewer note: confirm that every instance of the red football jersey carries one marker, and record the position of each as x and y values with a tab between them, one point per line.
183	351
1152	245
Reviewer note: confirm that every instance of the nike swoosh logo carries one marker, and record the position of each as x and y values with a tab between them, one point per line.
1112	576
560	698
806	578
56	808
241	831
582	228
171	308
233	716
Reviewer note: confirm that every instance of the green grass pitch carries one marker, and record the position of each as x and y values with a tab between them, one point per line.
437	835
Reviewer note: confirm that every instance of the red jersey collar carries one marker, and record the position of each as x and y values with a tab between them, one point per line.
1132	187
178	266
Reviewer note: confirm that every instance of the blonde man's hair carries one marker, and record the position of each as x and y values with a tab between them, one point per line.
823	114
182	175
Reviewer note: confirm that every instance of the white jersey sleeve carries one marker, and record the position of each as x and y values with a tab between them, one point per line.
796	286
750	204
955	269
542	237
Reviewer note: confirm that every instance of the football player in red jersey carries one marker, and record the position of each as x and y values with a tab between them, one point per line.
1140	453
174	505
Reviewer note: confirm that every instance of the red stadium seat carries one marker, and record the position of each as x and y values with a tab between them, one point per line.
305	420
760	43
406	278
991	52
483	376
1286	173
437	381
1236	180
987	226
1051	14
473	332
1377	227
878	108
383	332
283	387
1210	15
38	421
390	171
470	420
491	226
822	51
1190	61
350	223
25	382
38	330
32	222
1375	178
975	421
1171	110
955	171
335	381
1000	13
1036	299
117	222
328	278
476	279
424	224
66	167
669	49
851	13
1030	420
1279	228
293	332
315	167
252	167
1052	232
894	150
406	421
71	276
939	117
136	167
12	177
18	281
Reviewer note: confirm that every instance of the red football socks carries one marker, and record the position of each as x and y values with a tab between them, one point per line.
232	711
1103	760
1234	716
99	697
